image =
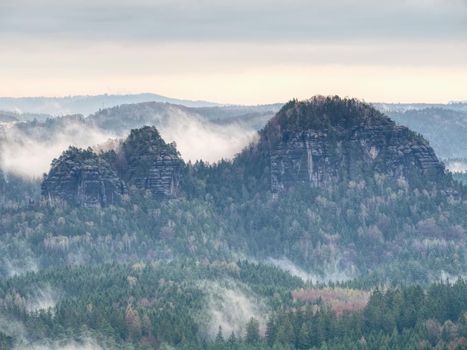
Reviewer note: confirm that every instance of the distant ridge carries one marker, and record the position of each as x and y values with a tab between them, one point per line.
86	104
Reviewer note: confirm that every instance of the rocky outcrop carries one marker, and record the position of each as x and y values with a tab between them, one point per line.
143	161
319	142
147	162
83	178
326	140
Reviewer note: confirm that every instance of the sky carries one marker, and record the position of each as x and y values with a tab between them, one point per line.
236	51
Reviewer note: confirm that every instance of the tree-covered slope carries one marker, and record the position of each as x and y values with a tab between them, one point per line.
133	248
332	185
191	305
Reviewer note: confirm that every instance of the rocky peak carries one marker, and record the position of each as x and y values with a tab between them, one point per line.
148	162
143	160
326	139
83	178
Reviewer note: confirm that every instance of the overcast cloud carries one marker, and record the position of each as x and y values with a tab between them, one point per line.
271	20
238	51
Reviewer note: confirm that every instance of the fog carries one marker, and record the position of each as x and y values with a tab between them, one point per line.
17	266
332	272
457	166
83	344
29	152
197	139
12	328
231	306
18	331
44	298
444	276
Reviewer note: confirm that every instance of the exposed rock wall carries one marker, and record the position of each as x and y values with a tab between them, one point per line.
82	178
343	150
86	179
150	163
303	158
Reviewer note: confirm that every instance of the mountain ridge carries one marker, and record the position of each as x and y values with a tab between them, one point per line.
86	104
319	142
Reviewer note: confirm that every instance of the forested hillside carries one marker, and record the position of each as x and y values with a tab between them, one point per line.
194	305
312	237
332	185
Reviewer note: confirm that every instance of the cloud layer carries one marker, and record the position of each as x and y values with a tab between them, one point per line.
260	51
28	151
239	20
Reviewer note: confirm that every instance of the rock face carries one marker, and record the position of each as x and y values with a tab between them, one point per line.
147	162
82	178
144	160
325	140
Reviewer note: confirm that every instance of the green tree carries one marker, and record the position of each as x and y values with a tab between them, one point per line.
252	331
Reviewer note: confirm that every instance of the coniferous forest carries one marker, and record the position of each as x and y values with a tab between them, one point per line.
233	175
335	229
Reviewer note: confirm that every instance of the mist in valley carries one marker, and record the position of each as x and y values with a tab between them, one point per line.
231	306
332	271
27	149
300	182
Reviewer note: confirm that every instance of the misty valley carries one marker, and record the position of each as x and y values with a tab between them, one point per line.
327	223
233	175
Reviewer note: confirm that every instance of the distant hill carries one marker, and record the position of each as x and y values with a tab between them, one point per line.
85	104
8	117
404	107
445	128
123	118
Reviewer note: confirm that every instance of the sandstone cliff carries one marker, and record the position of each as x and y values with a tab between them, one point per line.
83	178
326	140
147	162
319	142
143	160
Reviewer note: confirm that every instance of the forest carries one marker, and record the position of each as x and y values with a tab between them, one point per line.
220	259
242	305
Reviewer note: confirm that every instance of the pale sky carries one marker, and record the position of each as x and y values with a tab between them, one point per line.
256	51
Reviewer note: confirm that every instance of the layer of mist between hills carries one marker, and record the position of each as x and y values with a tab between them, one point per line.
202	130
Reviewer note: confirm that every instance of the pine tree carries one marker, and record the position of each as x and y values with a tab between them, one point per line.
252	331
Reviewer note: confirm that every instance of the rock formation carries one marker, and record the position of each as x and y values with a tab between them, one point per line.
144	160
83	178
147	162
324	140
318	142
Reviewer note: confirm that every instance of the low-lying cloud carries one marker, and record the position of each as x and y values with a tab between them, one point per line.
42	299
201	140
230	306
19	333
332	272
457	166
13	263
27	150
84	344
29	153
